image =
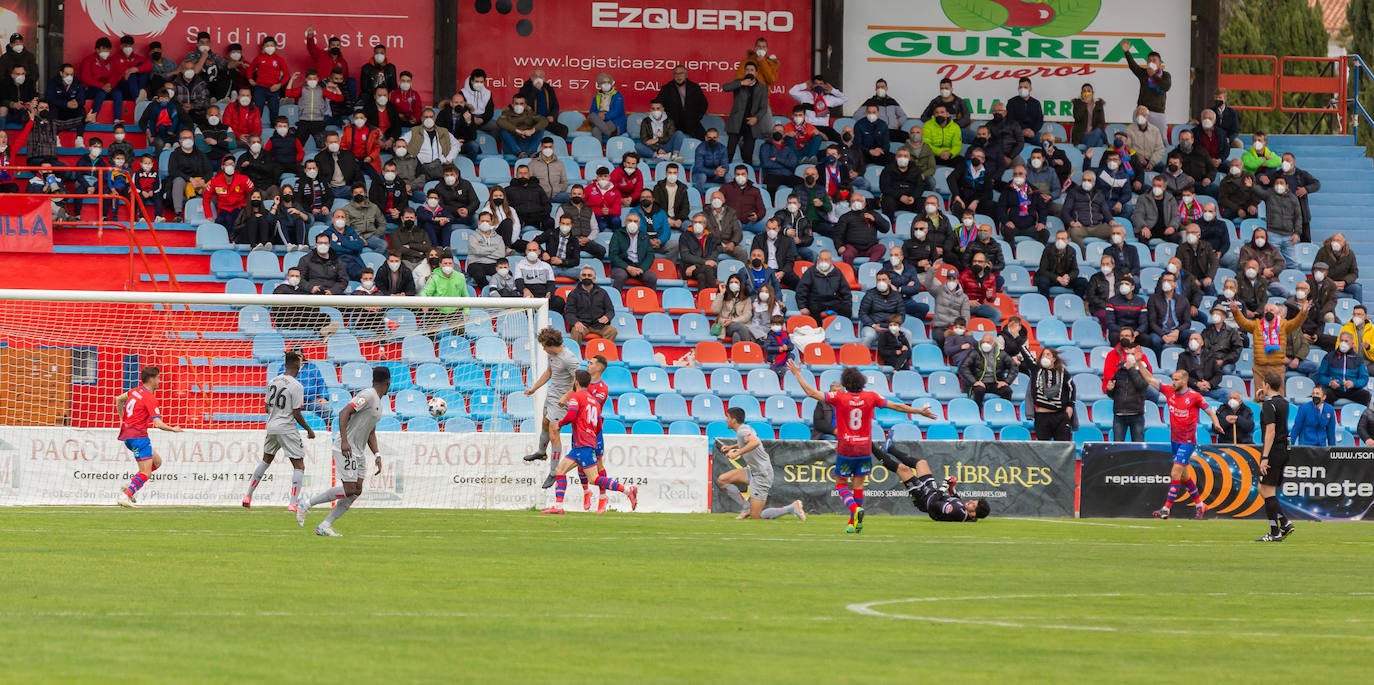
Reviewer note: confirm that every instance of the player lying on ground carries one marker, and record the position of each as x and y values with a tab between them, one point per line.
854	432
915	474
757	473
1273	454
1183	404
357	426
138	411
285	399
584	413
559	377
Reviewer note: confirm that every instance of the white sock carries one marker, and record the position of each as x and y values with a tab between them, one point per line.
327	496
257	477
340	508
297	480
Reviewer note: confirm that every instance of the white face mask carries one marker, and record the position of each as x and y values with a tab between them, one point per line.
717	203
799	120
1037	163
1023	92
1141	119
741	179
1117	239
1357	320
1166	287
1337	246
312	173
1046	362
1251	273
405	86
1188	199
1192	238
1208	216
951	285
333	147
366	285
945	92
1087	186
1258	146
1157	192
381	101
212	120
1229	293
985	347
1280	189
824	267
1125	290
761	52
503	272
147	166
1260	242
672	178
187	143
871	117
340	223
1300	295
432	202
1217	318
932	209
606	185
777	328
1107	269
883	286
255	148
484	227
518	109
67	80
382	58
1171	268
394	266
360	122
857	206
322	248
104	54
565	230
605	87
632	228
1061	244
734	287
1344	347
283	130
772	234
1286	166
920	234
957	330
1194	345
293	281
450	180
1018	181
189	74
1113	165
429	123
266	50
1319	276
880	92
312	83
763	297
968	222
1233	404
229	171
537	83
1235	171
448	270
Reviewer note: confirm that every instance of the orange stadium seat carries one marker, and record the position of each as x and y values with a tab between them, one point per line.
711	352
705	299
819	354
746	353
603	347
856	354
642	300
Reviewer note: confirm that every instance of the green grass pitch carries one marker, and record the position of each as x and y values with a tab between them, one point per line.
230	596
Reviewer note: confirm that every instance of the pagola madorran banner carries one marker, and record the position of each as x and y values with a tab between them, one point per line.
986	46
63	466
1017	478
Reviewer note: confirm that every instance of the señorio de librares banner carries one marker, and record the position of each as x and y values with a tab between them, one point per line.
1131	479
1017	478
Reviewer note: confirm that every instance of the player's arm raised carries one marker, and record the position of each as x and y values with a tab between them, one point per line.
908	409
805	384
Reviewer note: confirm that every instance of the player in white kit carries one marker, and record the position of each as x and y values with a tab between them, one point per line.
559	376
285	399
357	426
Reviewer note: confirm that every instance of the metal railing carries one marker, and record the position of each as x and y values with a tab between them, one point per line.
1359	72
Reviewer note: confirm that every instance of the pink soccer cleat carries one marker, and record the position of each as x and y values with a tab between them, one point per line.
601	503
553	510
247	501
292	507
632	493
586	500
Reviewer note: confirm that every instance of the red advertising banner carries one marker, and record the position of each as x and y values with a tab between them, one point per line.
405	28
25	223
637	42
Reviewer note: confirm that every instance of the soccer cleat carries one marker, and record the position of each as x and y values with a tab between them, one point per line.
1286	528
1270	538
247	501
1199	510
800	512
537	456
586	500
324	530
849	528
548	482
124	500
1161	513
555	509
859	520
302	511
291	507
632	493
601	503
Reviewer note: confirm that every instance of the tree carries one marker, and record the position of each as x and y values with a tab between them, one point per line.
1271	27
1360	33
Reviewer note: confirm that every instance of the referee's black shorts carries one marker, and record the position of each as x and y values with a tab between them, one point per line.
1278	458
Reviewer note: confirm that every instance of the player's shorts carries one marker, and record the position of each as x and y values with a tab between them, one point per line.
850	467
552	410
584	456
1278	458
141	447
1183	452
926	491
760	482
289	444
350	469
600	447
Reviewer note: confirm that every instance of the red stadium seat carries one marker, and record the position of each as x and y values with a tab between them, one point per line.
798	320
746	353
856	354
665	269
603	347
711	352
978	326
705	299
819	354
642	300
799	267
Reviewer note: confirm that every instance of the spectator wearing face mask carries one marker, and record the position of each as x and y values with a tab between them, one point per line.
1155	82
1324	294
890	111
858	231
160	120
1315	425
259	166
447	281
1004	138
293	219
243	117
606	115
1343	373
734	311
604	201
1216	234
1044	181
922	156
1116	180
550	172
1269	336
98	73
535	277
379	112
697	252
631	255
1058	270
1196	164
322	271
390	194
457	196
711	163
226	195
528	199
192	92
1283	220
944	137
16	54
256	226
314	197
1237	422
1146	139
1211	138
589	310
628	179
561	249
268	74
685	102
1252	289
750	116
1236	193
338	168
284	148
1123	379
217	140
1267	257
346	243
1156	218
987	370
432	146
1362	332
147	187
1085	211
824	290
366	218
522	129
456	116
1052	393
777	248
871	136
901	185
658	135
878	307
313	101
1101	287
893	345
1126	310
503	217
950	303
1258	157
724	225
654	223
1175	180
410	240
427	266
814	214
823	102
1204	373
1028	110
1342	268
365	143
1022	210
301	317
503	283
746	200
1089	120
485	246
957	342
778	161
980	286
971	185
381	73
407	102
17	93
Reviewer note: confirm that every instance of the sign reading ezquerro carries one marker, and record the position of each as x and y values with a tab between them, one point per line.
986	46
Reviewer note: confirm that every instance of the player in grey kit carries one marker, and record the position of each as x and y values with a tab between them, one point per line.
357	426
757	473
559	376
285	399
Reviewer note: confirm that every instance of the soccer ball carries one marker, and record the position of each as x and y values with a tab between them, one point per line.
437	407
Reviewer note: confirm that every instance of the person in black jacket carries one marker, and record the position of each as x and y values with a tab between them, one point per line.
544	99
1204	374
1238	422
322	272
1058	271
258	166
1101	287
824	289
378	73
902	185
857	231
1127	388
529	200
186	166
1168	312
394	278
987	369
1223	342
780	252
589	309
685	102
971	184
456	195
299	317
697	250
1052	393
1022	210
333	157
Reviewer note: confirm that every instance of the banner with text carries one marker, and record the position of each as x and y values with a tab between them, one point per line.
64	466
575	40
406	29
1131	479
1017	478
986	46
25	223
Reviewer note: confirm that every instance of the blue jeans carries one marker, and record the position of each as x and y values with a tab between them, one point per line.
264	95
1286	248
916	309
1094	138
1305	368
98	97
986	311
131	86
512	144
700	179
1134	425
673	145
376	244
1355	290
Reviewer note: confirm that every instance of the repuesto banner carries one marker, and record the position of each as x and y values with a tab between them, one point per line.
1017	478
65	466
1131	479
636	42
986	46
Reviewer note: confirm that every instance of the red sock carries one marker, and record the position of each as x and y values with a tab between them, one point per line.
859	496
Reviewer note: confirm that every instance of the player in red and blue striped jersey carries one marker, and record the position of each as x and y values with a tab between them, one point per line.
602	394
854	408
138	411
1183	405
584	413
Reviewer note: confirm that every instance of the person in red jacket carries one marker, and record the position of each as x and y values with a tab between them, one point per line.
267	74
229	193
980	285
627	178
133	67
98	73
604	201
409	105
365	143
243	117
329	59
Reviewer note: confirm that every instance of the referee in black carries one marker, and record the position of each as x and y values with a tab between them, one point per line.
1273	455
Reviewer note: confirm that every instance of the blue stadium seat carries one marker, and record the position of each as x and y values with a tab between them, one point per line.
1052	333
356	376
1034	308
979	431
1087	332
908	385
781	409
469	376
459	424
999	413
1168	359
418	349
254	319
403	318
492	350
1019	386
507	378
1015	433
455	349
585	148
653	381
422	424
689	381
1156	434
694	328
617	146
684	428
944	386
618	379
343	347
763	430
793	388
211	236
672	407
240	286
763	382
1070	309
750	405
658	329
840	331
226	264
1017	279
904	432
1087	433
268	347
494	171
719	430
963	412
633	406
387	424
638	353
1298	389
708	408
677	298
431	377
794	431
942	431
1103	415
726	382
927	358
646	427
411	403
1075	361
485	404
627	327
1089	386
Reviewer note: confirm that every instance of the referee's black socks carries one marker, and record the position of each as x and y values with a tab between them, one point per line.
1274	513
